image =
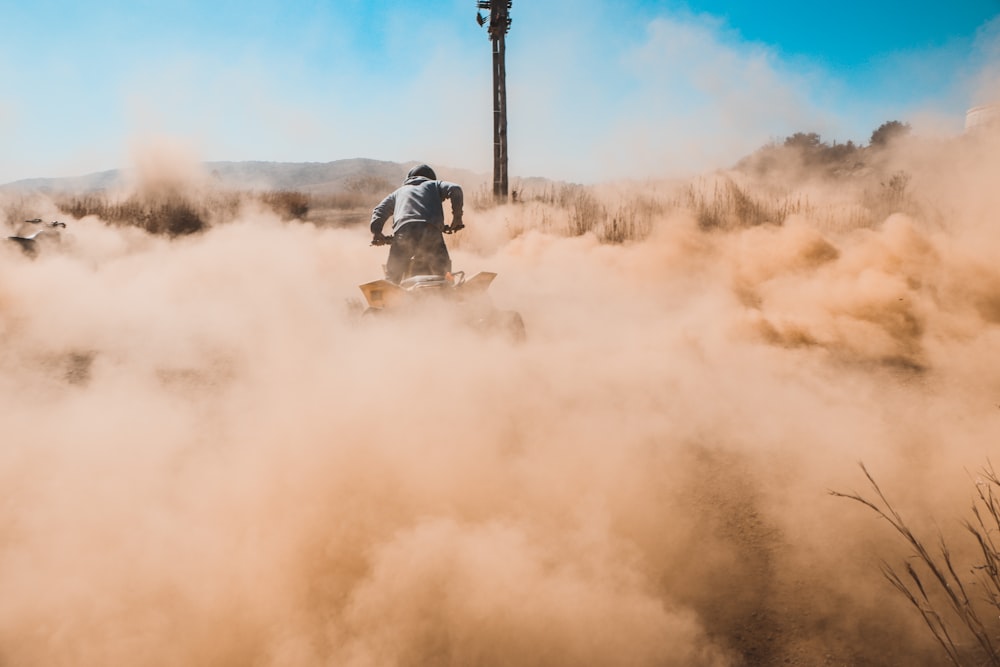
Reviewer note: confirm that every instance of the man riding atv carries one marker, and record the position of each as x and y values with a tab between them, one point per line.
417	215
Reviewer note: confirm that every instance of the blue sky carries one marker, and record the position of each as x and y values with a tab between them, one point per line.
598	89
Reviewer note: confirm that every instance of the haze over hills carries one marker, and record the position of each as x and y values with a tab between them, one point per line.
312	177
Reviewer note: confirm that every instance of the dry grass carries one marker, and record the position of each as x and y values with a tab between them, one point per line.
723	201
288	204
720	202
574	210
962	611
767	190
170	215
725	204
179	214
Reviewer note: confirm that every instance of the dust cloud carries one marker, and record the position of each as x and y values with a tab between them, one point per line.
209	458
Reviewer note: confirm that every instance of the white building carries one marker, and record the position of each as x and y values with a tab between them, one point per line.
981	117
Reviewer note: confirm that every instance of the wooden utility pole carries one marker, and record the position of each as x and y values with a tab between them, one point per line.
499	25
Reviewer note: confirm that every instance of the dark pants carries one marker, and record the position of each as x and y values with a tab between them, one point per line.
417	249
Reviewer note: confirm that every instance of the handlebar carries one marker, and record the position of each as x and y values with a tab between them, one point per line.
54	223
387	240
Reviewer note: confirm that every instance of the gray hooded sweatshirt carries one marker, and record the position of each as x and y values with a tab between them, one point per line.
419	200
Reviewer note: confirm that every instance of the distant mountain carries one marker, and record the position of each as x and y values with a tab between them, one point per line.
304	176
102	180
312	177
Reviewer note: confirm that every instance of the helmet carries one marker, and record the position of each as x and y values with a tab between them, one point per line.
422	170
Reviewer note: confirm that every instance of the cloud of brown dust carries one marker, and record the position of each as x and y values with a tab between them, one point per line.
208	460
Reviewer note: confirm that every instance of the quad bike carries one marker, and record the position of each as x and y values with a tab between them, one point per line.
29	242
419	287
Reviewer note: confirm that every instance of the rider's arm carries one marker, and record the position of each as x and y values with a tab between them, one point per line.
453	191
382	213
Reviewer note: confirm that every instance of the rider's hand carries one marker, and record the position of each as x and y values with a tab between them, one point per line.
379	239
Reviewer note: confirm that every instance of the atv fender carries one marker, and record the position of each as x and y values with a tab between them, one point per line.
382	293
477	284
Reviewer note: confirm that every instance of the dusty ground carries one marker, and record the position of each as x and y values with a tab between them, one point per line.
207	460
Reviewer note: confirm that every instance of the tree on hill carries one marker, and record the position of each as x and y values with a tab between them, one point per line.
888	132
803	140
815	151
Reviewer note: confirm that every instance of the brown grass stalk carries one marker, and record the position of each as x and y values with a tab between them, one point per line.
945	601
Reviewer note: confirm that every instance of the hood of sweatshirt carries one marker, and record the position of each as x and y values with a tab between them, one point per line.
421	172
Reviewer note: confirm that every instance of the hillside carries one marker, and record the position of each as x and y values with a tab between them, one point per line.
310	177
